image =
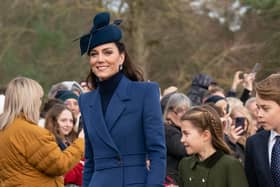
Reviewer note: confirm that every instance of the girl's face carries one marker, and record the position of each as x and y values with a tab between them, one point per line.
105	60
192	138
65	122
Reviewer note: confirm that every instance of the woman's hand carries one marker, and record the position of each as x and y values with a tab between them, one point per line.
236	80
235	133
248	81
82	134
172	185
148	164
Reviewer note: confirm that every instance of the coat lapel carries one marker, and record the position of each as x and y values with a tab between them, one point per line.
98	121
117	103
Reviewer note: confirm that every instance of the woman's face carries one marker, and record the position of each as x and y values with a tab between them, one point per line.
73	105
105	60
238	114
191	137
65	122
223	105
175	115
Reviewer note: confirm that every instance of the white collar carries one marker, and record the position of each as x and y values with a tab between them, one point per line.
273	135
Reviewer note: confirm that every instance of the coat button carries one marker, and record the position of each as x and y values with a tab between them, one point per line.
118	158
203	180
190	179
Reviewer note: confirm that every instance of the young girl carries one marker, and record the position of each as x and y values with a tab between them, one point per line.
60	121
210	164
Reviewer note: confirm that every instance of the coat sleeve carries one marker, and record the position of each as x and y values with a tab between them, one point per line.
154	136
249	165
89	157
41	151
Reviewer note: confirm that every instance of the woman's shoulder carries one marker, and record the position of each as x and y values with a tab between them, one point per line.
30	126
144	85
87	94
30	130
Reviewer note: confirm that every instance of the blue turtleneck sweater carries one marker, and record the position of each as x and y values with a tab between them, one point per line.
107	89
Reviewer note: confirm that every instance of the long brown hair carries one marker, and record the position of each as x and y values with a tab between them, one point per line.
131	71
269	88
204	118
53	126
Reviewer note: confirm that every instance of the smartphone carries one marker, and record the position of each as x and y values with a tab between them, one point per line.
256	68
240	122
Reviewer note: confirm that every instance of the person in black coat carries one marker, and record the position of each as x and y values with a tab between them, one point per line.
176	106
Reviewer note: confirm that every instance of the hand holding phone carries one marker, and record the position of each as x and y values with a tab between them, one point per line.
240	122
256	68
254	71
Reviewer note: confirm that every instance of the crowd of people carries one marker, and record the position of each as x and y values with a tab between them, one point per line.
115	129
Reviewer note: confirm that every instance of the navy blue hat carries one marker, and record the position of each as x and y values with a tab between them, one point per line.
102	32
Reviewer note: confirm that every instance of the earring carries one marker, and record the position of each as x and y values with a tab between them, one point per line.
120	67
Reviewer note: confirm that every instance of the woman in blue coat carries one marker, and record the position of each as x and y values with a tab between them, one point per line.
124	132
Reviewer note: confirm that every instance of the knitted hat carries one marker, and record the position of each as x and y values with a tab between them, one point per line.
63	95
102	32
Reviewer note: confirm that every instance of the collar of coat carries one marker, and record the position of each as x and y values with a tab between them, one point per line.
209	162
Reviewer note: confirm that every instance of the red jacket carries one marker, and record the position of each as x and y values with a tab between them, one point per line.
74	176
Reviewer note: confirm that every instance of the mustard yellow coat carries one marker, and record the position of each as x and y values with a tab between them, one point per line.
30	157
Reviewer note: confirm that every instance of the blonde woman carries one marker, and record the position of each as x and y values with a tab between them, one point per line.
29	154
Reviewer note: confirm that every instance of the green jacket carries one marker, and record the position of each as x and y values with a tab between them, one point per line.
219	170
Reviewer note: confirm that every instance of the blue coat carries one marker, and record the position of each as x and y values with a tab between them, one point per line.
119	143
256	160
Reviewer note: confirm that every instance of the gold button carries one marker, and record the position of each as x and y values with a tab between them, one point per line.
190	179
203	180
